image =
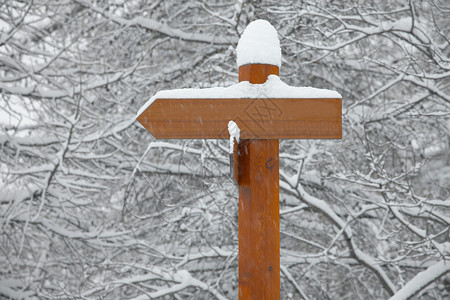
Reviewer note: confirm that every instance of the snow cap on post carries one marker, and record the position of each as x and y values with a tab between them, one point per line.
259	44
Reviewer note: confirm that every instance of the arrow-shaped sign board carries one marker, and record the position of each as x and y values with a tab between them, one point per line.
197	114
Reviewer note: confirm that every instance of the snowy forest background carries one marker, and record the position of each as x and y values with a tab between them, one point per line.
91	206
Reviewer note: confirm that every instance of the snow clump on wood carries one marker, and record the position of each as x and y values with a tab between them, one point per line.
235	133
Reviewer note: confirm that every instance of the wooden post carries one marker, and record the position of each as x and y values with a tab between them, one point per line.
259	234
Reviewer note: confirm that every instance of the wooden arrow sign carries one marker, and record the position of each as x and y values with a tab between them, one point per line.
266	118
265	110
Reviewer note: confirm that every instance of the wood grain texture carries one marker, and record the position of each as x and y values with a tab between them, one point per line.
279	118
259	234
235	165
259	229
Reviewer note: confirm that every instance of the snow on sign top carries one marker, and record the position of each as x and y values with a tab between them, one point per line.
274	87
259	44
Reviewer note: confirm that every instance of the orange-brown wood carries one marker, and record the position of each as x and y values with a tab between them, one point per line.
259	232
257	73
282	118
259	229
235	163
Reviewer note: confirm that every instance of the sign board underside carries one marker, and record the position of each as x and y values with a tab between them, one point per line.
267	118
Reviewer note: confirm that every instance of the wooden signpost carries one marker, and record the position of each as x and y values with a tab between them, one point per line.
262	121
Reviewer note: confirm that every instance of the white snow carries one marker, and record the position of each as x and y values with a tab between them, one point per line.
272	88
422	279
13	289
238	6
259	44
235	133
404	24
182	276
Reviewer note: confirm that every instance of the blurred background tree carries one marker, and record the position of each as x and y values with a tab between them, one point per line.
91	206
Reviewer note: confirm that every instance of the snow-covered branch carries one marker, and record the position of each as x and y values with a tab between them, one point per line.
422	280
